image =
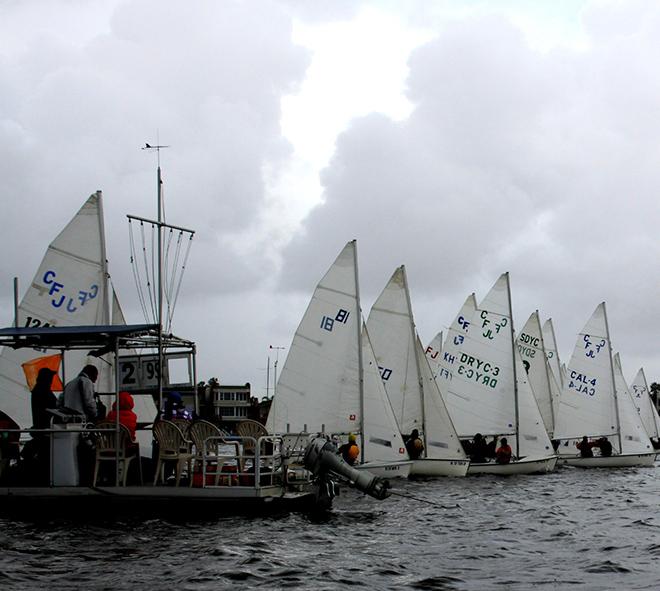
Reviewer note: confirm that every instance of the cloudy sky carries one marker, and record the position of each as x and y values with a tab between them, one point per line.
462	139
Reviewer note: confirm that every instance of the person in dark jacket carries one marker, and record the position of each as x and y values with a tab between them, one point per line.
479	449
605	447
414	445
585	448
43	399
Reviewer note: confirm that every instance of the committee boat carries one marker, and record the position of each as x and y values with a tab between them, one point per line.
410	384
595	403
486	388
331	383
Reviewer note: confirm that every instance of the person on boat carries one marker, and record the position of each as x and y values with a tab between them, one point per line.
78	394
479	449
174	408
414	445
585	448
350	451
504	452
127	416
491	448
42	399
605	447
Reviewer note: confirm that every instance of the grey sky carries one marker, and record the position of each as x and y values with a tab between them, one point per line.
520	153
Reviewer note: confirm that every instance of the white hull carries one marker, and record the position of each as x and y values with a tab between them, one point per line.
524	466
387	469
617	461
439	467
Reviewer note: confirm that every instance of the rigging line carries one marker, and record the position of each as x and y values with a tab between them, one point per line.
175	265
146	270
420	500
166	267
183	270
138	284
154	260
170	286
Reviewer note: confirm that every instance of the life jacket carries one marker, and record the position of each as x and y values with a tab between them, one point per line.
503	454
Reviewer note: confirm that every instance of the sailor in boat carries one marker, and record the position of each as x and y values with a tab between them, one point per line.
585	447
350	451
605	447
414	445
504	452
479	449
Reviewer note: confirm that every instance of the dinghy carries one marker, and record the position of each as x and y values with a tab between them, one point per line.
595	403
409	381
486	388
331	383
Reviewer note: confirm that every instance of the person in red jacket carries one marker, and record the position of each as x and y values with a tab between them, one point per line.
503	453
127	417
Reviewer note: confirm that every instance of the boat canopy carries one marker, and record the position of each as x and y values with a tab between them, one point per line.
99	337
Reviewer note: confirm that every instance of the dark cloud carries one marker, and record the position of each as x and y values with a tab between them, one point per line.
541	164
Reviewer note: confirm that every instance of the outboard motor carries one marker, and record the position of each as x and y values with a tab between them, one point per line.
321	458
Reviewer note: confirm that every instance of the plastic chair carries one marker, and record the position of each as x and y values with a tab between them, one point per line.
171	448
250	429
106	450
208	450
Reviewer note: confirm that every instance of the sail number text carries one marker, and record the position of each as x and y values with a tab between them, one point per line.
482	372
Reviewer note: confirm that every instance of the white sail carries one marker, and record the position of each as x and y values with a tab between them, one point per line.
433	353
406	373
319	386
532	351
488	393
634	438
455	337
69	289
587	404
639	390
552	352
392	332
381	440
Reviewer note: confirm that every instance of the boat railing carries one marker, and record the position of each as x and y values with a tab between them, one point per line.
241	462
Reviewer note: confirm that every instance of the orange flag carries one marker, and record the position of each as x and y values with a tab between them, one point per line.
31	369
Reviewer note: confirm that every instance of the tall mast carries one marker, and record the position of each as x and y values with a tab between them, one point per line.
420	382
515	371
358	324
160	284
547	374
616	396
105	308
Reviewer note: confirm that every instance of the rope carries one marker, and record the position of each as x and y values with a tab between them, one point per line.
420	500
136	277
183	270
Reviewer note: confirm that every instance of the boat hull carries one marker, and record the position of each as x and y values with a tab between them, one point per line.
439	467
524	466
616	461
104	502
387	469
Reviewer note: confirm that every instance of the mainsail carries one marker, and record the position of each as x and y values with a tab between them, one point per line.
551	351
69	289
406	373
639	390
531	347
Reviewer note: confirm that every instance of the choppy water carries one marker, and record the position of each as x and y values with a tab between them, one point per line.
573	529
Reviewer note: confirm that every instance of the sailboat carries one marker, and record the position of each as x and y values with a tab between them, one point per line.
595	403
409	381
639	390
531	346
488	391
331	383
69	289
552	353
433	352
